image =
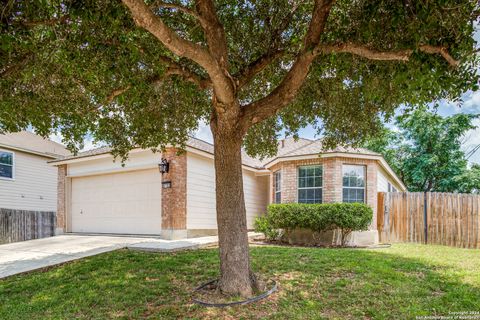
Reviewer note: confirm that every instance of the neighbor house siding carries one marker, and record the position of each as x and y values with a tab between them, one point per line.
383	180
34	186
201	210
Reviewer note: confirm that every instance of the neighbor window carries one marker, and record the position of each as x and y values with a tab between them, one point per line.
6	164
310	184
391	188
277	180
353	183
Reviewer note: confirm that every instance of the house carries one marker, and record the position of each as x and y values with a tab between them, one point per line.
98	195
27	181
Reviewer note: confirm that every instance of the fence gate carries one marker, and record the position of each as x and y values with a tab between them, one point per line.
451	219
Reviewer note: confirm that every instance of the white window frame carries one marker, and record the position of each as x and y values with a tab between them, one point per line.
308	188
277	183
13	165
364	188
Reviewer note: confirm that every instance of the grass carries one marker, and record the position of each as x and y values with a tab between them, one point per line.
400	282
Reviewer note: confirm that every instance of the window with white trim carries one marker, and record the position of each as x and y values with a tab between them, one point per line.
353	183
310	183
6	164
277	180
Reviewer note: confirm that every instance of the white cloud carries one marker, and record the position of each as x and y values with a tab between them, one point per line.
88	143
203	132
56	137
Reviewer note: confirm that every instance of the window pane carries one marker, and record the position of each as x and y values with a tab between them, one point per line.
360	195
6	158
301	172
302	195
278	197
278	181
360	182
310	171
301	182
6	171
310	182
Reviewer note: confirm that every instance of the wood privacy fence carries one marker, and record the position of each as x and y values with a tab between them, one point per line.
451	219
20	225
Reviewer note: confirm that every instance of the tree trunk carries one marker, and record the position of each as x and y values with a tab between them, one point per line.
235	277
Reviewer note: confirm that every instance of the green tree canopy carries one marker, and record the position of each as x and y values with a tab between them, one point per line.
85	67
426	151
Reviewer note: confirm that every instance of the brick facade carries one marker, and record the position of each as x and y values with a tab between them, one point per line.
61	198
174	199
332	180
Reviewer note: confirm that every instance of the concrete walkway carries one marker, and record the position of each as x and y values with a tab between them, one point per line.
34	254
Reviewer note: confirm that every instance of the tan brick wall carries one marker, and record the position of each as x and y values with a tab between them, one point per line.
61	197
174	199
332	179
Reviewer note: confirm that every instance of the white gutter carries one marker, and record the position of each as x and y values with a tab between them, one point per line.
88	158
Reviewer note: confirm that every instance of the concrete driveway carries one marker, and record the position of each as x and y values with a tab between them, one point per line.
34	254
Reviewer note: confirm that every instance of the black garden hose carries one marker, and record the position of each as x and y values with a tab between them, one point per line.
229	304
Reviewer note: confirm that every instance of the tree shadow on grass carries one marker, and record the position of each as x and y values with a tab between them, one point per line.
314	284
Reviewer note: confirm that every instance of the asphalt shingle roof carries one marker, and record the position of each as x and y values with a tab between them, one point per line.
286	148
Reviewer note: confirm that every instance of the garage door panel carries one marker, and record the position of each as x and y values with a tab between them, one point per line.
128	202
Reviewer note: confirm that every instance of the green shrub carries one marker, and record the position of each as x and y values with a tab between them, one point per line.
262	225
347	217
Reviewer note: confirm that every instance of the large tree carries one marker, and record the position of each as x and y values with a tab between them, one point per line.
143	73
426	151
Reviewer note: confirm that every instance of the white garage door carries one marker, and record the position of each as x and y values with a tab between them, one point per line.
128	203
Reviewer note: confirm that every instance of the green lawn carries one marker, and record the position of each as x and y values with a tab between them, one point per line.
395	283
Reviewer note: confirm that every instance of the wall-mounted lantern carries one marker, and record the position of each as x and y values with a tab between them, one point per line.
163	166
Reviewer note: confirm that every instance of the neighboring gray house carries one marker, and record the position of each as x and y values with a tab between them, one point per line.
27	182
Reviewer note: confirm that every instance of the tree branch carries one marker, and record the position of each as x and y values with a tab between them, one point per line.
217	45
47	22
8	70
173	68
257	66
442	51
161	4
146	19
282	95
117	92
372	54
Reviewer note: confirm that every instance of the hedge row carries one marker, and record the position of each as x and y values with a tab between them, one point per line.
347	217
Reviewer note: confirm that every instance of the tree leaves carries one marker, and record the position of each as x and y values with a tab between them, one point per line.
427	153
60	61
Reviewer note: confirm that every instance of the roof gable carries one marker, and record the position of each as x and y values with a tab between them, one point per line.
30	142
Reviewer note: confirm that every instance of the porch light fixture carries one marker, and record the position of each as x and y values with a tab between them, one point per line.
163	166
